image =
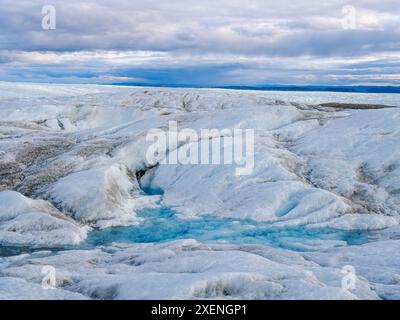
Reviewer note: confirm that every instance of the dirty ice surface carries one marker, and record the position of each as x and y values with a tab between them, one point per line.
324	193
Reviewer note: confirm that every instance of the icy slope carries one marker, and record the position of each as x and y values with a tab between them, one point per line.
186	270
71	157
35	223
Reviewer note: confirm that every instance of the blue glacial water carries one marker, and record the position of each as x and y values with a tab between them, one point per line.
163	224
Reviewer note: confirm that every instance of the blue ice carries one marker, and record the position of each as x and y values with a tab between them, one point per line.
164	224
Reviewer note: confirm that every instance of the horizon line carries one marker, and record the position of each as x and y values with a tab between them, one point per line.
382	89
275	87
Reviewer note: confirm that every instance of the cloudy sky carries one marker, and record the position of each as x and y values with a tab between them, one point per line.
207	42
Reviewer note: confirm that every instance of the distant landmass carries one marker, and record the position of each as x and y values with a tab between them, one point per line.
358	89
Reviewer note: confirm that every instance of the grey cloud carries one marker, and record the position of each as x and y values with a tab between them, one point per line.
290	33
264	26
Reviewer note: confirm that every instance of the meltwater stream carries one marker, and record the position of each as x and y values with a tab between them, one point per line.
163	224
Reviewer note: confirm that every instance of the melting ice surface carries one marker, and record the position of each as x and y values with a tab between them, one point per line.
75	148
163	224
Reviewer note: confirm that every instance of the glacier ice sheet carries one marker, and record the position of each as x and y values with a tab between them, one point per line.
324	193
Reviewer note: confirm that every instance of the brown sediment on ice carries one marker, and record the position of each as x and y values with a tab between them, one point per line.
356	106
